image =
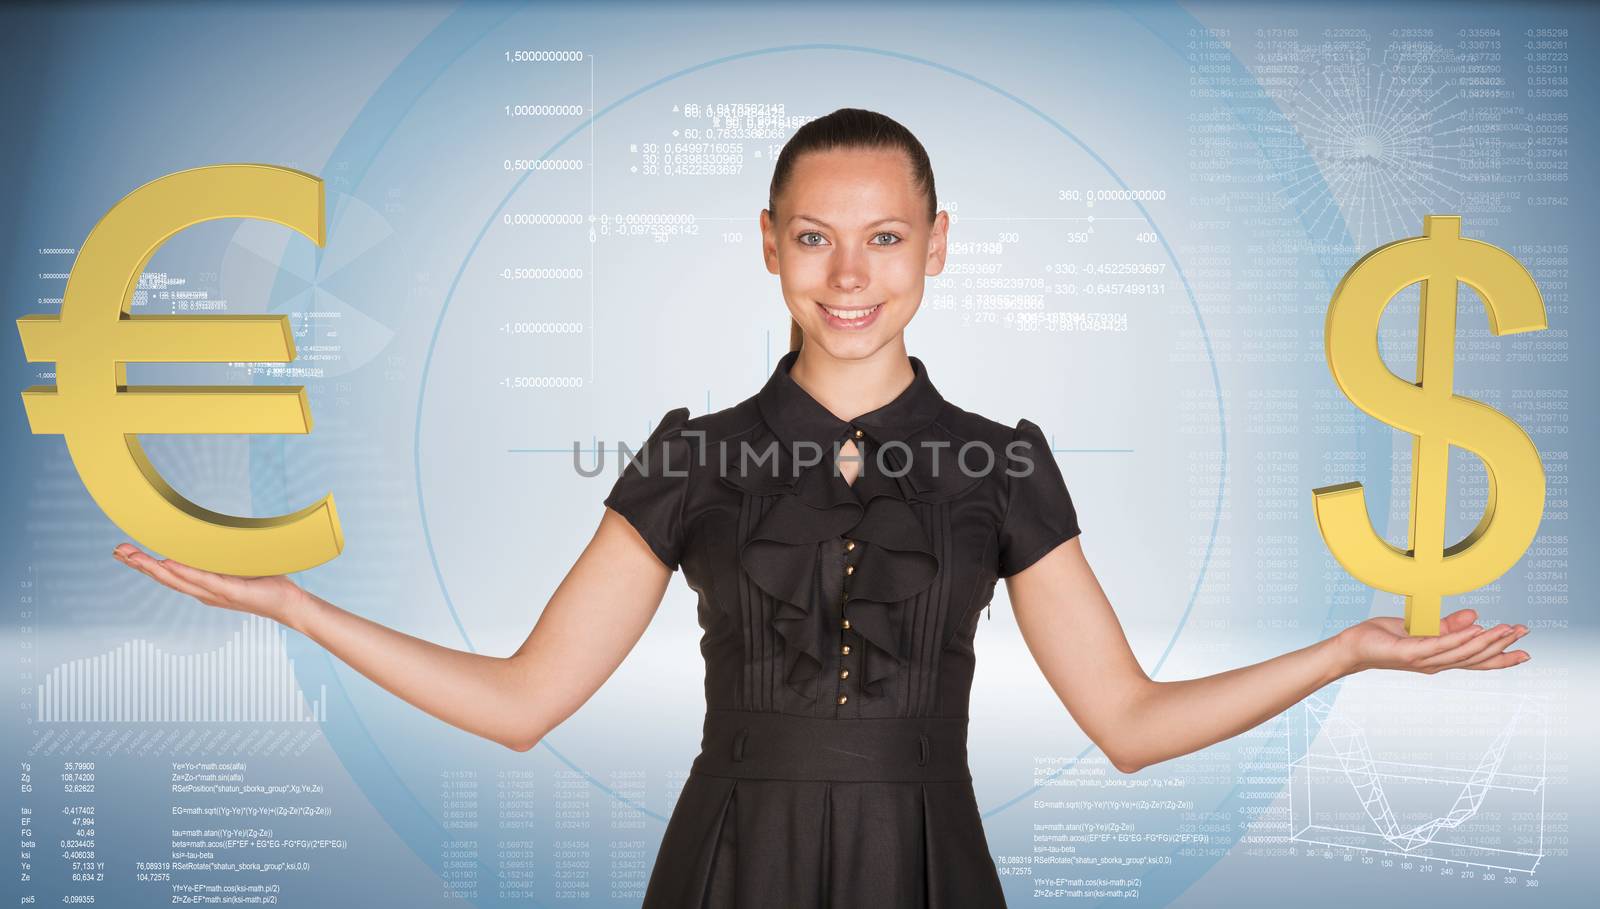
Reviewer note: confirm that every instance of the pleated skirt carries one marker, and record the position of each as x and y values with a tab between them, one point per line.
791	811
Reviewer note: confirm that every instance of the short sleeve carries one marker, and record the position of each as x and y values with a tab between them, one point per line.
651	489
1039	512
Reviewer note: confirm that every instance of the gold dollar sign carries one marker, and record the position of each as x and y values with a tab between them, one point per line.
1435	416
96	336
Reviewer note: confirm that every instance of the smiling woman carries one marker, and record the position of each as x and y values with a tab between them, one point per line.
840	574
889	188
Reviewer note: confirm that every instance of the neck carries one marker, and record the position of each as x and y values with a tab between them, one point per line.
850	388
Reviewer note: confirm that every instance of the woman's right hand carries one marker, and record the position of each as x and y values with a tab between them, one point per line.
598	612
274	596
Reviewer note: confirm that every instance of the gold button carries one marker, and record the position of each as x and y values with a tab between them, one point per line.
849	545
843	698
845	623
844	649
849	569
844	673
859	433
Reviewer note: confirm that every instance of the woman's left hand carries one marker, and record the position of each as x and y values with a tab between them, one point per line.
1382	643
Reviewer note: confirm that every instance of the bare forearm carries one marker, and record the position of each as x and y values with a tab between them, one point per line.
471	691
1169	719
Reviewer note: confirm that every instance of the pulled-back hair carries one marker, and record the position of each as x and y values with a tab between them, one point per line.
850	128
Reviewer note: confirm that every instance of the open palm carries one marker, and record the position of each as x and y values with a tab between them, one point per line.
271	596
1382	643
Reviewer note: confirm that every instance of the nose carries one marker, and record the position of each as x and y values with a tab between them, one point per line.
848	271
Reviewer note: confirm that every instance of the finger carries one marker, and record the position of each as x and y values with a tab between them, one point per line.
157	572
1471	647
137	561
1459	619
160	573
1492	651
218	585
1427	648
1489	643
1509	658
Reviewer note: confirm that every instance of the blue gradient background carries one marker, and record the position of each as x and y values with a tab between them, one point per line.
460	504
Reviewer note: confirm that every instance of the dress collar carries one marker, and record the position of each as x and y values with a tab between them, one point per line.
795	416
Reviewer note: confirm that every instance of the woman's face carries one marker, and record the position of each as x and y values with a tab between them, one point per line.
851	247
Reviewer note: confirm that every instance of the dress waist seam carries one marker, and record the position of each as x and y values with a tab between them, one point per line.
764	745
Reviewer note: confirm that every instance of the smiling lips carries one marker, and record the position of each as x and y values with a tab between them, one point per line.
850	318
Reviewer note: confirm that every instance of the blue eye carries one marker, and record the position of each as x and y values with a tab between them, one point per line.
811	233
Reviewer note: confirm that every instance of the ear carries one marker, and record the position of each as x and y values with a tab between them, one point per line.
938	243
769	242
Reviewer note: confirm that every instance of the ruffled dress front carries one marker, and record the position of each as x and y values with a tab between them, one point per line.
838	623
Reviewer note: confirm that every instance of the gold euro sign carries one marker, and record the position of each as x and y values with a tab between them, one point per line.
1436	418
96	336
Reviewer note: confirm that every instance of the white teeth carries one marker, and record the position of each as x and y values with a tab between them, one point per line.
851	315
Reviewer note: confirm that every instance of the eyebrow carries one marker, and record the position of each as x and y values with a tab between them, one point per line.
830	226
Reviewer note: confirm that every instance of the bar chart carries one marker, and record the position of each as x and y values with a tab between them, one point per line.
249	679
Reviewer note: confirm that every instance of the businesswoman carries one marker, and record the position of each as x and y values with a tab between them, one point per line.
843	528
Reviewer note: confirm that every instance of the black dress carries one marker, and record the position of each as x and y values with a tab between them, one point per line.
839	620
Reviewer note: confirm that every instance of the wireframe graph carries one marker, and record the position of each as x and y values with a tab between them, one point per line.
1383	143
1426	774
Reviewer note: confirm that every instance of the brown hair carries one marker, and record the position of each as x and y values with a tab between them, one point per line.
850	127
